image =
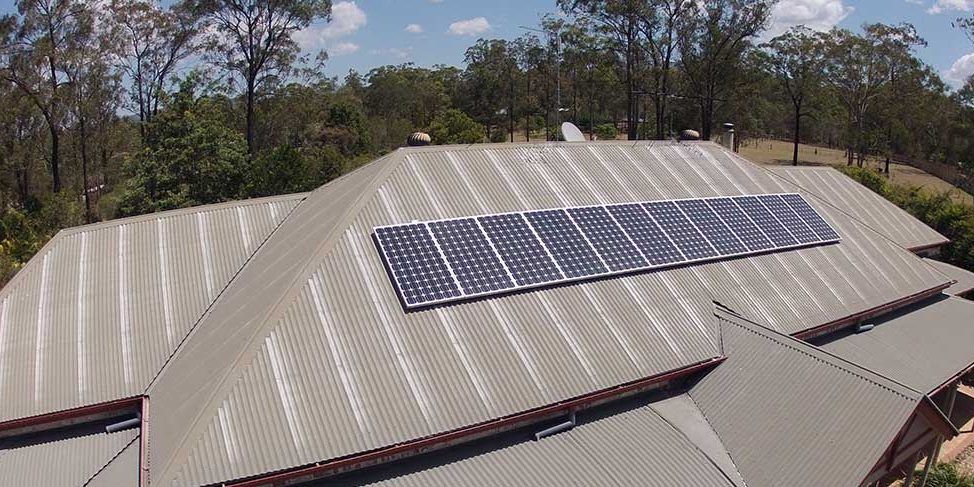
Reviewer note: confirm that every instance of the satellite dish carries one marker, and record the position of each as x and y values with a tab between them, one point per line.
571	133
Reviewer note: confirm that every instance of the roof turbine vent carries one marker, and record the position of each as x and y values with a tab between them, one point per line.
418	139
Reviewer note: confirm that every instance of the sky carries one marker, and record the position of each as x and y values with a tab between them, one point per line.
364	34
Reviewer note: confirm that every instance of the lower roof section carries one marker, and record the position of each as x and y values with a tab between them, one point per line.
627	443
964	277
923	346
75	461
791	414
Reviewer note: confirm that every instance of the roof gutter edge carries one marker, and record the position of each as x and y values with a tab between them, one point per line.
470	433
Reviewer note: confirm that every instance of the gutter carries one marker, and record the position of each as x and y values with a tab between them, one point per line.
922	248
869	313
469	433
67	417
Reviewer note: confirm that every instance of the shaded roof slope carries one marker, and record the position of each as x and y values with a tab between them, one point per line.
309	356
922	346
123	470
790	414
864	204
629	447
99	309
64	463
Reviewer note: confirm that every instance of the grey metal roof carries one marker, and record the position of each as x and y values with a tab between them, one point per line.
123	470
64	463
95	314
964	277
921	346
791	414
862	203
631	447
309	356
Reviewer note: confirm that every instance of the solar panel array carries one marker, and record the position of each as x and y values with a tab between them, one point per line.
447	260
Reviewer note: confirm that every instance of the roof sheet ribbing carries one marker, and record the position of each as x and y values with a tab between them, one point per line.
67	462
309	355
865	205
921	346
790	414
964	277
96	313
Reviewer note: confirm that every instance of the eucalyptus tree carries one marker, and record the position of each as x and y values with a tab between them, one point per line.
149	42
714	35
658	24
254	40
796	61
35	54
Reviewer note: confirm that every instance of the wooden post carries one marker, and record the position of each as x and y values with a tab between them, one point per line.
938	442
913	467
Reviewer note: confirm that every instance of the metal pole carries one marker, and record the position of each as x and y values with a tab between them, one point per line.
913	467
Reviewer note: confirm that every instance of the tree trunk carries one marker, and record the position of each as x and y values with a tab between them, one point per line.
84	168
630	95
798	124
250	116
55	157
527	113
510	107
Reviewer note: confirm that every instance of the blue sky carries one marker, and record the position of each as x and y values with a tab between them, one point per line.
368	33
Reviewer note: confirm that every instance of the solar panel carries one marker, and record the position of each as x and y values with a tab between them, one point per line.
669	217
765	221
566	243
646	234
811	217
616	250
721	237
788	218
445	260
474	263
740	224
418	268
520	249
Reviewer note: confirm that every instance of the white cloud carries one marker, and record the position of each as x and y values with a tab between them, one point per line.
346	19
820	15
947	5
343	49
414	29
469	27
435	1
962	69
402	54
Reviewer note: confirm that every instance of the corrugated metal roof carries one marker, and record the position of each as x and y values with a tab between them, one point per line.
791	414
309	356
63	463
97	312
633	447
123	470
964	277
921	346
863	204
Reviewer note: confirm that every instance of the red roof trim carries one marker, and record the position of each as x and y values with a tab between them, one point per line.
441	440
67	416
869	313
921	248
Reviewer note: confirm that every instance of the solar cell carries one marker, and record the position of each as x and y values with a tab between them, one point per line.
740	224
646	234
811	217
418	268
721	237
609	240
765	221
788	218
520	249
566	243
669	217
474	263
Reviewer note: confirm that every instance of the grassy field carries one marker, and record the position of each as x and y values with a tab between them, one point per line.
777	152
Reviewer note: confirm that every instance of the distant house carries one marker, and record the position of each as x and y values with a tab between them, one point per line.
589	313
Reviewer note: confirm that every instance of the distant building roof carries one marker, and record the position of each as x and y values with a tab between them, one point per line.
922	346
872	209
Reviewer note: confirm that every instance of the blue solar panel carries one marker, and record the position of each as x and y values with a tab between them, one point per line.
712	227
418	267
446	260
788	218
765	221
474	263
520	249
811	217
608	239
566	244
693	245
740	224
646	234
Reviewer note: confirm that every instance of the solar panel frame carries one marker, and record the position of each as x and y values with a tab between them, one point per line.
565	278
